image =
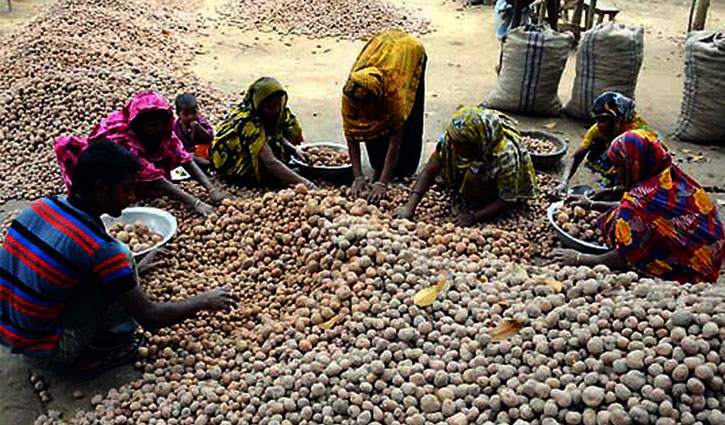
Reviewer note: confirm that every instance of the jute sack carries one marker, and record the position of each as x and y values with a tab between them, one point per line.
702	116
532	62
609	59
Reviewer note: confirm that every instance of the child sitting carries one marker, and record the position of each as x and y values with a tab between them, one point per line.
192	129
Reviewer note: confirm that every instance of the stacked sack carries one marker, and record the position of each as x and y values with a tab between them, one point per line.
609	59
701	116
533	60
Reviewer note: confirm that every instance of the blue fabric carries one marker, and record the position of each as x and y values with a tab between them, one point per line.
504	15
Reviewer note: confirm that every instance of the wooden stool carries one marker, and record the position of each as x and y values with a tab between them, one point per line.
602	10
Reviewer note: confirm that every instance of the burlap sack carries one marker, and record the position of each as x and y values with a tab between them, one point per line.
609	59
702	116
532	63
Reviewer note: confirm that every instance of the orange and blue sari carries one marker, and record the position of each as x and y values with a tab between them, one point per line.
665	226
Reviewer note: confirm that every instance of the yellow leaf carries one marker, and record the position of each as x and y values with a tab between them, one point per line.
426	297
505	330
482	279
554	284
443	281
330	323
518	270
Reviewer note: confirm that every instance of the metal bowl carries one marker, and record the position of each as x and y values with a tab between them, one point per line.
337	173
568	240
157	220
582	189
543	161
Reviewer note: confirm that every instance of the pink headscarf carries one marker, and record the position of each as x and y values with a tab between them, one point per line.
117	128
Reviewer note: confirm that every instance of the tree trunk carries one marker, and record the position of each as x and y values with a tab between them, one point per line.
700	15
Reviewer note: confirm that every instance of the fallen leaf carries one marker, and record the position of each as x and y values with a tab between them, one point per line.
330	323
426	297
504	304
554	284
518	270
505	330
550	125
443	281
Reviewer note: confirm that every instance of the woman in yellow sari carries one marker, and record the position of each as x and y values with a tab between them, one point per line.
257	139
482	158
382	106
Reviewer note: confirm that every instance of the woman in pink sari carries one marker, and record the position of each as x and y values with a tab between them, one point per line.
144	127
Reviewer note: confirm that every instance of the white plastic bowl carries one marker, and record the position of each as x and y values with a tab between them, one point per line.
156	219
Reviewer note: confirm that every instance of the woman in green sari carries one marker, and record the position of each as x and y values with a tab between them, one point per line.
256	141
481	157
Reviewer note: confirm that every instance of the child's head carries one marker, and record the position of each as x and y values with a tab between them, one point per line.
187	108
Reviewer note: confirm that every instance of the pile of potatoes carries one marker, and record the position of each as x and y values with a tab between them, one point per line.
538	145
322	156
324	18
581	224
137	235
75	63
330	327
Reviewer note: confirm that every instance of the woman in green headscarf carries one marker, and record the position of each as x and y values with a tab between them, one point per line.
482	158
258	138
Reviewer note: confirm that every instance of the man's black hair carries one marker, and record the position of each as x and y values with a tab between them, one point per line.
103	161
185	100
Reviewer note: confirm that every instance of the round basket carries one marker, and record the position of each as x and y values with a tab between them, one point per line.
336	174
544	161
568	240
156	219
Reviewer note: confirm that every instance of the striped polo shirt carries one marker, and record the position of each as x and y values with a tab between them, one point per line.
52	250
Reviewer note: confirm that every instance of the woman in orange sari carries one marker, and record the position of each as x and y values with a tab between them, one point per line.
382	106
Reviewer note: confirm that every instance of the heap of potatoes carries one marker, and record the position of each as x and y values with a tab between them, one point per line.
346	316
346	19
581	224
322	156
137	235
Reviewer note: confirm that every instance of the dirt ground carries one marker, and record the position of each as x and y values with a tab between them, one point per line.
463	53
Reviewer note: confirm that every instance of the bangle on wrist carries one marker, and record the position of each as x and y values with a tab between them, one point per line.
197	202
380	183
578	259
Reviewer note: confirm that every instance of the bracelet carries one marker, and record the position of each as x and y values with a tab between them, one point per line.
379	183
578	259
197	202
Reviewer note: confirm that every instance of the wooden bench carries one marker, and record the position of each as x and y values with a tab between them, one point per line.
601	10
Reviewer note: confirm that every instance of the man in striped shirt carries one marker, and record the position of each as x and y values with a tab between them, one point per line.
68	291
